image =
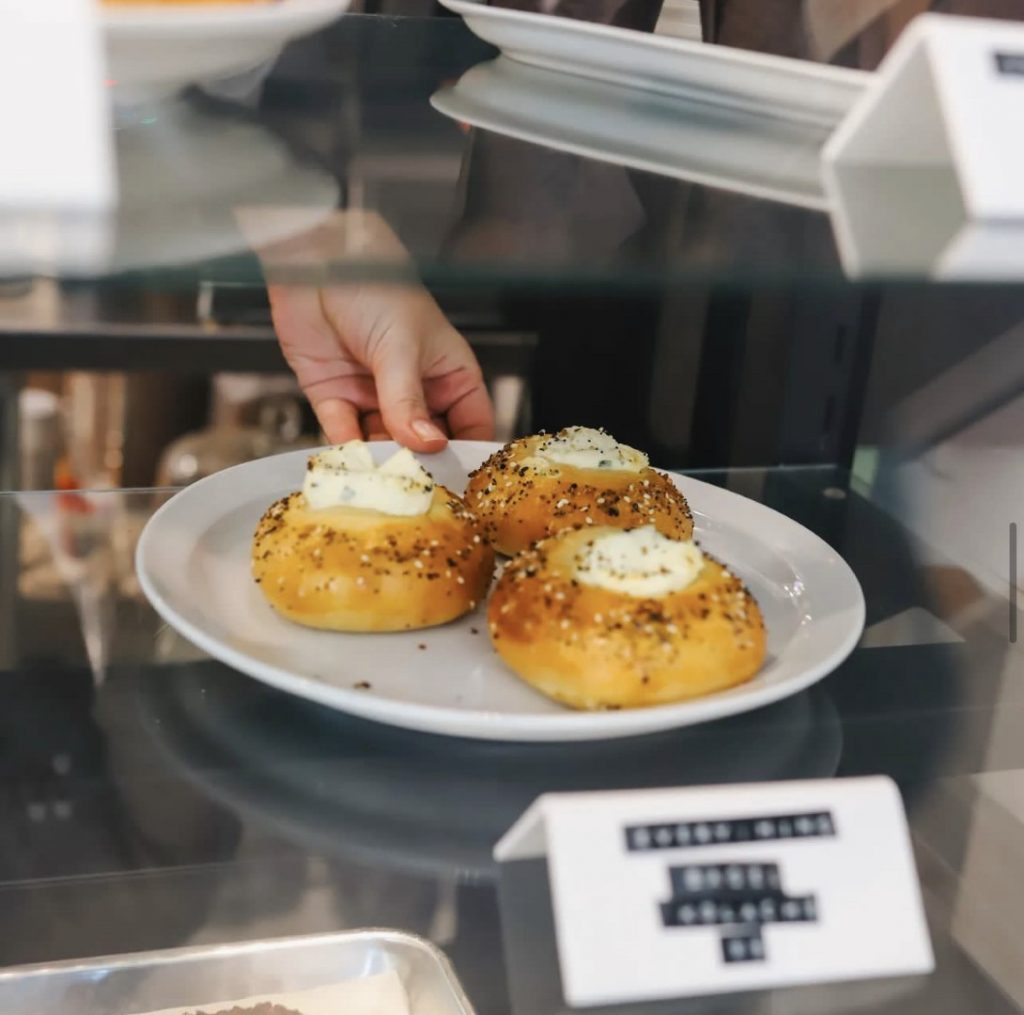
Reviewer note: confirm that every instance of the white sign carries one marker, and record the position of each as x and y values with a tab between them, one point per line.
57	148
925	171
677	892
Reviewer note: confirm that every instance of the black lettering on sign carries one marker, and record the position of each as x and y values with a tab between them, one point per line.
747	946
1010	63
738	898
688	834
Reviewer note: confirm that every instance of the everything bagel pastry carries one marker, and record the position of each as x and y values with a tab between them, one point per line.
599	618
367	548
576	478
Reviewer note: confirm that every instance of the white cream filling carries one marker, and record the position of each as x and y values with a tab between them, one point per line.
585	448
347	477
639	562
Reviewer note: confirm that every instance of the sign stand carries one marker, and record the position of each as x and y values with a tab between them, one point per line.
658	894
926	168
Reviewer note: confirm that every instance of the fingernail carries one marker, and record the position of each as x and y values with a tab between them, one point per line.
427	431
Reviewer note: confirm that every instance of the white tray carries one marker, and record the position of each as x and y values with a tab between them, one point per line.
208	974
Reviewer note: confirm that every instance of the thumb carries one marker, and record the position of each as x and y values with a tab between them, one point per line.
397	375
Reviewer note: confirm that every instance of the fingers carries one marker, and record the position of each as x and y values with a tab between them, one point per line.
471	418
462	395
334	385
380	362
403	403
374	429
338	419
387	329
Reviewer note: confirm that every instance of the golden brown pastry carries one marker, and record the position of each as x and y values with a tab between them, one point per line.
362	548
601	618
577	478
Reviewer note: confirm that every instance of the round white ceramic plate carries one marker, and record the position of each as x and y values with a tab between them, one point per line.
157	49
193	564
733	149
759	82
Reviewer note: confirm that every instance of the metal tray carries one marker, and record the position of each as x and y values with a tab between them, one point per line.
208	975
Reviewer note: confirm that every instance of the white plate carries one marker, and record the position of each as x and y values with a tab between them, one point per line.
772	85
157	50
733	149
193	564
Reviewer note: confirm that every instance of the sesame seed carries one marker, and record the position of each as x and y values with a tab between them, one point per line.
460	579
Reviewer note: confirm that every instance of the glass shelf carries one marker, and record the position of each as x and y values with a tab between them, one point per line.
153	798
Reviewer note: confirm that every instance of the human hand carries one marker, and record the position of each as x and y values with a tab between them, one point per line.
376	360
380	361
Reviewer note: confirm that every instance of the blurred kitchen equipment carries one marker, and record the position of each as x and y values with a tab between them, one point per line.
40	437
251	417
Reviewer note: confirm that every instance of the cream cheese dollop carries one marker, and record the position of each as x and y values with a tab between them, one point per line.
346	476
585	448
639	562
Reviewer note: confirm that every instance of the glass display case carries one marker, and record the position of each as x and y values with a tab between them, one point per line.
660	264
